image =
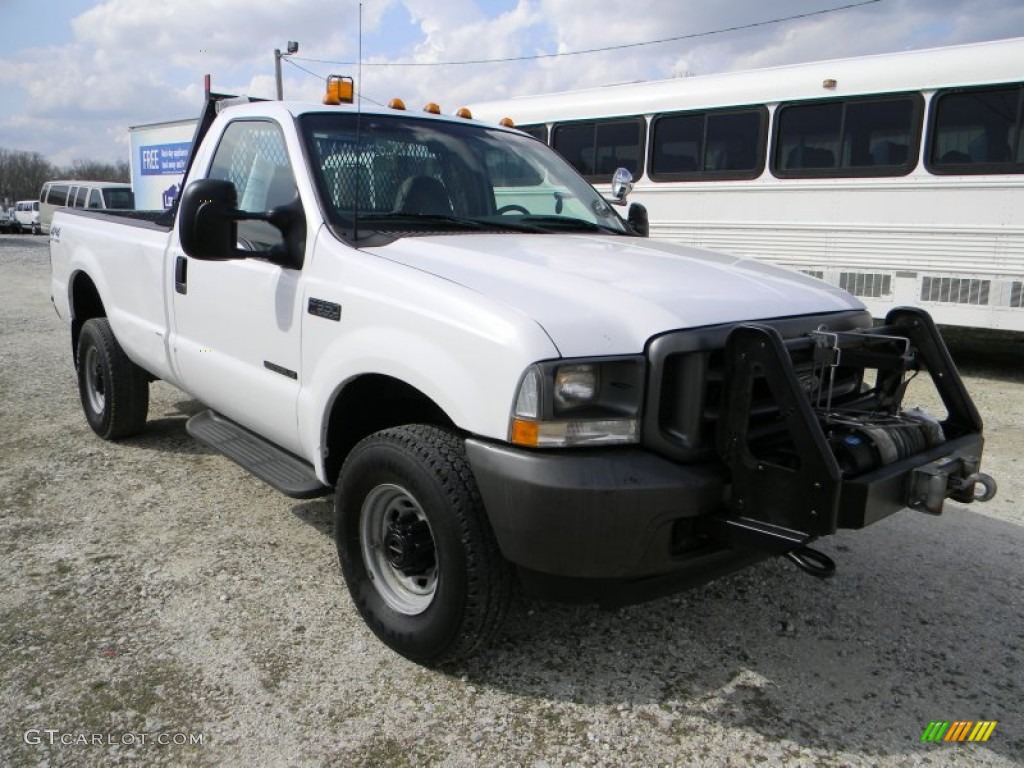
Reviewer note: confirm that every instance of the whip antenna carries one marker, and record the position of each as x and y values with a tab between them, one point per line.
359	123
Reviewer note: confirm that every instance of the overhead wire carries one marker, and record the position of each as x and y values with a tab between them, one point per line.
603	49
360	94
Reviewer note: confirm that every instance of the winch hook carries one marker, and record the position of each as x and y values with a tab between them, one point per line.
987	483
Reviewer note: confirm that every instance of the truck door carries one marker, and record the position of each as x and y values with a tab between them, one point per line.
237	323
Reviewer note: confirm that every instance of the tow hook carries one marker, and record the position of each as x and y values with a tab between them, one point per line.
954	476
969	483
812	561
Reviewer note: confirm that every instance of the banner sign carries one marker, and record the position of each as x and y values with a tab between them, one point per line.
164	159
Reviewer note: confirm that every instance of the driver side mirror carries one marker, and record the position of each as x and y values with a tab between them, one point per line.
208	219
622	185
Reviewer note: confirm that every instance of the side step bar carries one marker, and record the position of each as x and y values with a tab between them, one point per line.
273	465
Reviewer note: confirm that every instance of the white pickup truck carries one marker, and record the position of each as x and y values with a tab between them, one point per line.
500	378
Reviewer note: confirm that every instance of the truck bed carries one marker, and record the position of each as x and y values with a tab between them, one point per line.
131	277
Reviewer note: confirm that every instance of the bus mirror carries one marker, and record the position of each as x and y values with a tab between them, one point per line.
622	185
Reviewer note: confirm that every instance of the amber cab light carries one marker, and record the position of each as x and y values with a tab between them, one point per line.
340	90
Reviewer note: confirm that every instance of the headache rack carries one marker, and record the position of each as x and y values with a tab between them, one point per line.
837	450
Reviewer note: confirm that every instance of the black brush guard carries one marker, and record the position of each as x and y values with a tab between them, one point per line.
778	501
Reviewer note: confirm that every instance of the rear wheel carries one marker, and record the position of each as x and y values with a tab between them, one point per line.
417	552
113	389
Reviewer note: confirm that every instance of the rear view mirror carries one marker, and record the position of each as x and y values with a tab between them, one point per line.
207	219
638	220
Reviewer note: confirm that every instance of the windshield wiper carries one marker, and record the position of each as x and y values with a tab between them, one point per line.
532	223
467	223
567	223
426	218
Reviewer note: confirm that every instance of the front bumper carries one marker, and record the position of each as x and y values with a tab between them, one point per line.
626	524
613	526
593	514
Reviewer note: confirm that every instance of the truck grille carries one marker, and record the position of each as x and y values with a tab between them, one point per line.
687	380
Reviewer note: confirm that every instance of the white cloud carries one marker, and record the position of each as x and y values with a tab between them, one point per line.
132	62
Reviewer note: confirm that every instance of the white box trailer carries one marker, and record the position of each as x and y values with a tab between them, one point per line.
158	155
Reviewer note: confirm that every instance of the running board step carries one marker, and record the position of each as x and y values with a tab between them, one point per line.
273	465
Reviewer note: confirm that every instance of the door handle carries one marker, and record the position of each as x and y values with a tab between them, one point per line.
181	274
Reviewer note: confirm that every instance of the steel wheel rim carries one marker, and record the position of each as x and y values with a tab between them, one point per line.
95	384
385	507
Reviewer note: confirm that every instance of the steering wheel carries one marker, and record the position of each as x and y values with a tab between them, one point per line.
512	207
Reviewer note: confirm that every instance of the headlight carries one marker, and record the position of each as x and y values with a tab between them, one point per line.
585	402
576	386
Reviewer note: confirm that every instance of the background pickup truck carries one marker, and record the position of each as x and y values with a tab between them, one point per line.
501	378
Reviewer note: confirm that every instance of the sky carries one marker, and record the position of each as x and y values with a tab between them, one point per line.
75	74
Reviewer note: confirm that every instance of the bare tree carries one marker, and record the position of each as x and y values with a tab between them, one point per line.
22	174
93	170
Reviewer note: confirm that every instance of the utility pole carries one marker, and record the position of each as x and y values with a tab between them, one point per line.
293	47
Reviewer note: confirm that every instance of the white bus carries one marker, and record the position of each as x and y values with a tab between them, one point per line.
899	177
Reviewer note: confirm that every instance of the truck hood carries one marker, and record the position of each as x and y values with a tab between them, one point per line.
607	295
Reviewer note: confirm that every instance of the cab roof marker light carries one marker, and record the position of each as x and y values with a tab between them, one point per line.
432	107
507	122
340	90
464	113
396	103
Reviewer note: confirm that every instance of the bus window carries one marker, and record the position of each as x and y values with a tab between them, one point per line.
94	199
808	136
619	145
878	133
724	144
876	136
596	149
537	131
80	195
977	130
576	144
676	145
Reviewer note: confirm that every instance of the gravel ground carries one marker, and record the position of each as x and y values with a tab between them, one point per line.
161	607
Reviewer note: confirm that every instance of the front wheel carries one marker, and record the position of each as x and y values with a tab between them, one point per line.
417	552
114	390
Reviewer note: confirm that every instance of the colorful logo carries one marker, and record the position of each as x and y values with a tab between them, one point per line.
959	730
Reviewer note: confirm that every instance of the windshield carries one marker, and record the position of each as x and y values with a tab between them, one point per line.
407	175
